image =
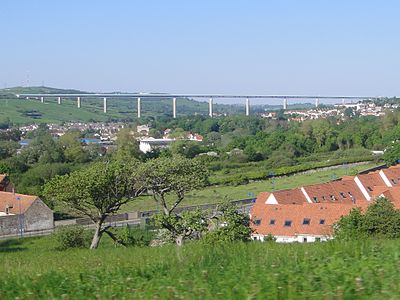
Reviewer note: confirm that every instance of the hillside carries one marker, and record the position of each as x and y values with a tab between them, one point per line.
27	111
23	111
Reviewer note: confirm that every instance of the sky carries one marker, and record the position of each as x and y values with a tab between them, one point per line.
314	47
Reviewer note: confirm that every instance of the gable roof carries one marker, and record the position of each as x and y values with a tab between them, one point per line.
17	203
291	196
371	180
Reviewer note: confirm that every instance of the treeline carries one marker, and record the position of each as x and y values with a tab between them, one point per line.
281	142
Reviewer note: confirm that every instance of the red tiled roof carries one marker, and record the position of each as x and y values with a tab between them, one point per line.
292	196
16	202
371	180
330	213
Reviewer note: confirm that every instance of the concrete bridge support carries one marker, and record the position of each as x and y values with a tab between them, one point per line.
78	102
210	107
174	108
59	100
105	105
285	103
138	108
317	102
42	99
247	106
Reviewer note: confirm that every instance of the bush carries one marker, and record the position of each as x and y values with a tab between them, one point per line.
134	236
72	236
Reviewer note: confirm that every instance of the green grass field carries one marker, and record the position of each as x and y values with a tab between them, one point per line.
215	194
23	111
32	269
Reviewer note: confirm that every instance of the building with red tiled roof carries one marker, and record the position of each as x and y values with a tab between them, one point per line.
298	223
25	212
275	213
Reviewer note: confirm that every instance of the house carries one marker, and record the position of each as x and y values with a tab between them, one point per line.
23	212
297	223
306	214
5	183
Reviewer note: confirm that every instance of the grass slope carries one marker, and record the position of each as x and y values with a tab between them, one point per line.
32	269
215	194
23	111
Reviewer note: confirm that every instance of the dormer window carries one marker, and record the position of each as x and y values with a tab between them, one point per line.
306	221
393	181
257	222
321	221
315	199
369	188
333	198
288	223
343	195
272	222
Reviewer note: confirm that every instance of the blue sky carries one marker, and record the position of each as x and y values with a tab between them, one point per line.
273	47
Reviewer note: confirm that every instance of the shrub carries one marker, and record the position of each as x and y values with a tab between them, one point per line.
134	236
72	236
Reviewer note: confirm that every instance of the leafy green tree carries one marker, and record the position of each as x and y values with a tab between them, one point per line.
391	155
380	220
8	149
351	227
183	226
168	180
97	192
230	225
73	149
127	145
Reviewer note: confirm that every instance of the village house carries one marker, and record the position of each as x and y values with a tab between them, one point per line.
23	212
308	213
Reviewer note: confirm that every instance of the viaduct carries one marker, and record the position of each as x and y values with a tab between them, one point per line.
174	97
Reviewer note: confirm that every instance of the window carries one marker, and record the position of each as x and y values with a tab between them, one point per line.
394	182
306	221
351	195
272	222
317	239
333	198
305	240
322	222
369	188
315	199
257	222
343	195
323	198
287	223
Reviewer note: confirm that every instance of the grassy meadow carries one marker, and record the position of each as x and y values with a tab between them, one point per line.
31	269
215	194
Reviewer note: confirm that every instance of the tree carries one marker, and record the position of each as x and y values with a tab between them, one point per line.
168	180
229	225
127	145
97	192
392	154
380	220
73	150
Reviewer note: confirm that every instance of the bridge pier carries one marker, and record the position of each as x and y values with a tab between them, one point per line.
174	108
210	107
285	103
247	107
42	99
138	108
78	101
59	100
317	102
105	105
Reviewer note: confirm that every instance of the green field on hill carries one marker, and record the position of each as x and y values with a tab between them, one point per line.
32	269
